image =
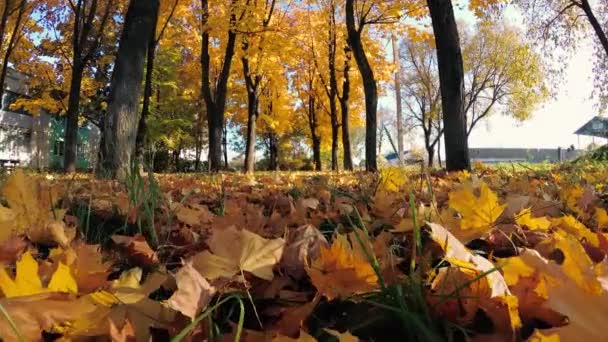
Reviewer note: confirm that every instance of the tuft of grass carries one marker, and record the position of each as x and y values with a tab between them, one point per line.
207	313
145	196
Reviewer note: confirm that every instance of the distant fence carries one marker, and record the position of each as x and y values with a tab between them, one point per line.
530	155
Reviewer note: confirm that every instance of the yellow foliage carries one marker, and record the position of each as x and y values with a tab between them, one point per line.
339	273
478	212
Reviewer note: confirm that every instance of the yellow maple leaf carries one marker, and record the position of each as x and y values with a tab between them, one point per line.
339	272
234	250
577	264
478	212
28	283
601	217
524	218
572	226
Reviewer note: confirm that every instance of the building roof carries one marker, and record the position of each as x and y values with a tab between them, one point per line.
596	127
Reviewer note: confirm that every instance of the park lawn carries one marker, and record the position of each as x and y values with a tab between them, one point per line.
498	252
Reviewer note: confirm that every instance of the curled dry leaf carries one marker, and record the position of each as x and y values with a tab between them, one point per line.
193	292
303	245
233	251
136	248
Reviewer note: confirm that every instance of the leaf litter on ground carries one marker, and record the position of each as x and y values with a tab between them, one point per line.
491	254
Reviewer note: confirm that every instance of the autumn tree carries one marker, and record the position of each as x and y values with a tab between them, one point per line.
120	127
561	24
451	81
359	15
153	42
88	21
421	94
502	73
255	58
16	17
215	84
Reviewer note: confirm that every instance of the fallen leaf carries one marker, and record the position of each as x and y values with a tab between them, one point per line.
303	245
339	273
27	281
478	212
193	292
124	334
233	250
137	249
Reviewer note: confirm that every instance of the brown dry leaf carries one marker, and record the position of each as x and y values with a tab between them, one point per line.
194	215
137	249
11	249
304	337
234	251
303	245
32	209
42	312
338	272
193	292
292	320
124	334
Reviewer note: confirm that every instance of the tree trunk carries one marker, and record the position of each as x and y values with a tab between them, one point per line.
348	159
225	146
273	152
252	116
142	128
369	87
251	83
398	100
123	101
71	126
216	100
316	139
451	79
333	86
3	22
430	150
597	27
199	140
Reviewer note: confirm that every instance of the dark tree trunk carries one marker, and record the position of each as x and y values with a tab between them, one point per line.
199	141
597	27
84	46
4	20
215	100
252	84
430	150
12	43
71	126
252	116
333	86
348	159
122	118
451	77
225	146
273	152
314	135
369	87
142	128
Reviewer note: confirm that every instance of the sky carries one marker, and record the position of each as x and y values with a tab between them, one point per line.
552	124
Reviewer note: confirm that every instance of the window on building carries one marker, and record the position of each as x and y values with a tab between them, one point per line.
58	148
